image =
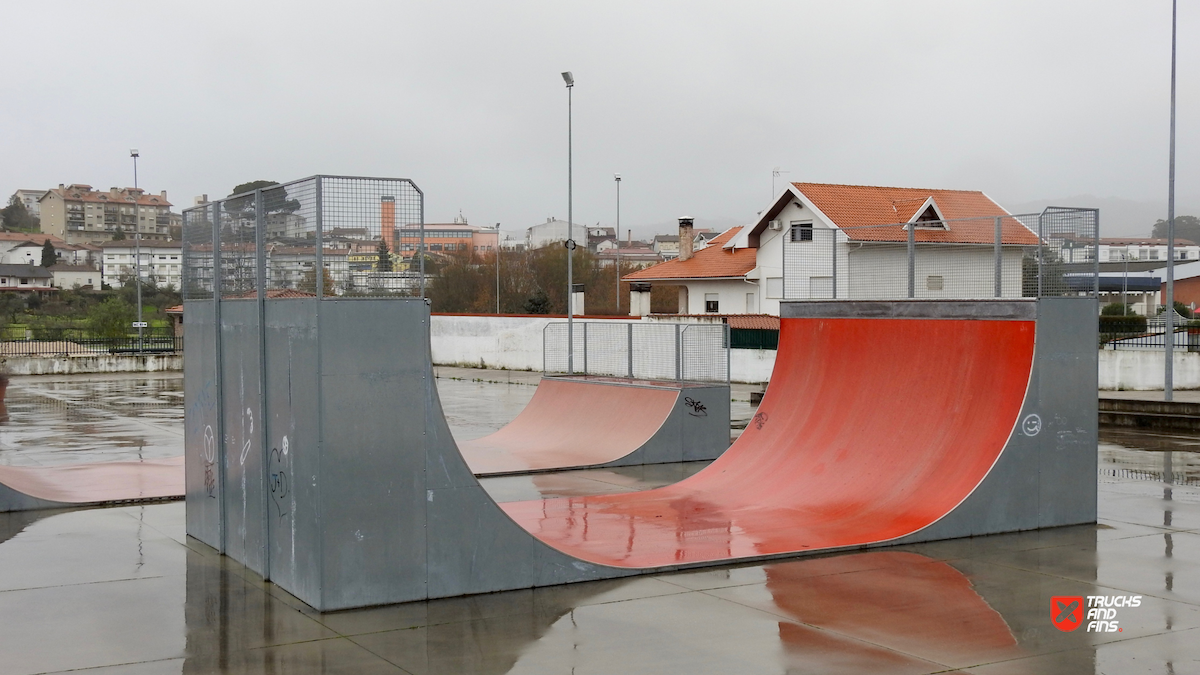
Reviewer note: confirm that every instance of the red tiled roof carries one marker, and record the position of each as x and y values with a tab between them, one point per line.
739	321
39	239
853	207
712	262
85	193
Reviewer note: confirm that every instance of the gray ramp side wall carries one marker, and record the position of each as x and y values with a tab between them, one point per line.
696	429
1046	474
201	428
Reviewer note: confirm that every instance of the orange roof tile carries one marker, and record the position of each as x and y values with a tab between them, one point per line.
854	207
712	262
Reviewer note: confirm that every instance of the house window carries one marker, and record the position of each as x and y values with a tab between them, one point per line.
751	305
774	287
712	302
1154	254
934	282
24	282
802	230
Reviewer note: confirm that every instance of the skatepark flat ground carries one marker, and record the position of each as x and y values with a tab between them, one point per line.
122	590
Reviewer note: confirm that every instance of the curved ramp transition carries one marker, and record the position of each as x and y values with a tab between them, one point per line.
884	422
43	487
575	422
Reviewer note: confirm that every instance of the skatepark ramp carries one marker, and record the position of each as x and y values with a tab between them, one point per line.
333	472
574	422
49	487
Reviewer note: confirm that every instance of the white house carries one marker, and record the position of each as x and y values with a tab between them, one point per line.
75	276
549	232
25	278
848	241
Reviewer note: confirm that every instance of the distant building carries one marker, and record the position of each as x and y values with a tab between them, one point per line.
1120	249
638	255
22	248
666	245
29	198
75	276
550	232
78	214
160	262
443	238
25	278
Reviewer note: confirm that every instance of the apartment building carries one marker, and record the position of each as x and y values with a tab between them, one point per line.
78	214
161	262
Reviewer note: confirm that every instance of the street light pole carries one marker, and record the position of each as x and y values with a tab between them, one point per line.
137	245
497	251
570	243
617	239
1169	334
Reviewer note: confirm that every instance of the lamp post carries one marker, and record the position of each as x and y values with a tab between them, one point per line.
497	251
1169	334
570	243
617	239
137	247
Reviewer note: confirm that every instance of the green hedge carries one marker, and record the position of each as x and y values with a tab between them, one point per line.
1131	323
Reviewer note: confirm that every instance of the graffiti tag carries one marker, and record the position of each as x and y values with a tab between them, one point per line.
759	420
698	409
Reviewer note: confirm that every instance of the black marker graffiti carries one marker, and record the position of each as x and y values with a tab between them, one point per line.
698	409
279	482
759	420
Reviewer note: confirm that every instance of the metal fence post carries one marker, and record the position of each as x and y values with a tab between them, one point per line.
263	438
222	528
585	347
833	251
912	272
678	351
630	350
999	258
728	353
1041	243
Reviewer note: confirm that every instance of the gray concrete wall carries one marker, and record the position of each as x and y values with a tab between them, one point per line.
101	363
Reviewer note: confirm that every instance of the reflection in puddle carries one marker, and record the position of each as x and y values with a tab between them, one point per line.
89	419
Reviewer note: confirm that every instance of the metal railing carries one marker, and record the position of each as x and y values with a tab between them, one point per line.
1052	253
93	346
1186	339
696	352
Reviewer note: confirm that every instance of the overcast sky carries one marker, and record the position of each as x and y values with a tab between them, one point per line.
692	102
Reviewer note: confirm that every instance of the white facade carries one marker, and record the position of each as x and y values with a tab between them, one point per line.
549	232
1120	250
29	198
161	264
75	276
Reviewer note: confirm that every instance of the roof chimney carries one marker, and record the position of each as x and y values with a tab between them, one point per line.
685	239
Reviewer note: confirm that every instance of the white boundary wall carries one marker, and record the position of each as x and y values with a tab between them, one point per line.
515	343
1138	370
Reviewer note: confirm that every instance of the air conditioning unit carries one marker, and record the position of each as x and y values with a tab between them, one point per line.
775	224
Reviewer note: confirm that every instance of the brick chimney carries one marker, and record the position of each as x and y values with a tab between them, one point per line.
685	238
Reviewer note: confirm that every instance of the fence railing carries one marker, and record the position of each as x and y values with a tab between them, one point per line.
647	351
1052	253
1186	339
93	346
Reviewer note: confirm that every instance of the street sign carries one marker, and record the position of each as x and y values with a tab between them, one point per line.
140	324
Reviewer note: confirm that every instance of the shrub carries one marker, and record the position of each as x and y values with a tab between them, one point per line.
1131	323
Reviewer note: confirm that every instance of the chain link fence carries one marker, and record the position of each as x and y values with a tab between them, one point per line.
647	351
1052	253
327	236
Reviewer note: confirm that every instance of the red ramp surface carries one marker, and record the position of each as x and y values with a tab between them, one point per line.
870	430
572	423
581	421
97	483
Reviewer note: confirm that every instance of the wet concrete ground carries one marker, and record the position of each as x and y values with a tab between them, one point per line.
122	590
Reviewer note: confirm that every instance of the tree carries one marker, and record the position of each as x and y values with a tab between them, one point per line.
274	201
15	217
118	234
385	257
1186	227
308	283
49	258
538	303
111	318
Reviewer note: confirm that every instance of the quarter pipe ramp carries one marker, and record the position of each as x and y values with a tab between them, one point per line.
574	422
45	487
